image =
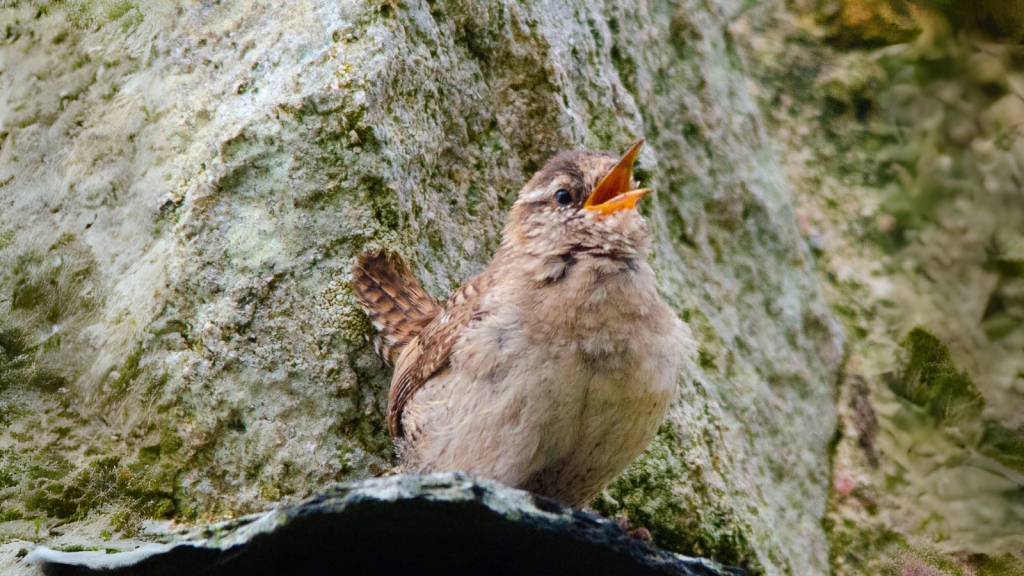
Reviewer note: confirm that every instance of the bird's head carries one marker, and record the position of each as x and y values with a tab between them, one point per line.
580	204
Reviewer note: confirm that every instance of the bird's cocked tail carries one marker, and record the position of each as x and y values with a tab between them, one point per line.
393	299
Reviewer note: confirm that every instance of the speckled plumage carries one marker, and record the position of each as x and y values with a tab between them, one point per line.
552	369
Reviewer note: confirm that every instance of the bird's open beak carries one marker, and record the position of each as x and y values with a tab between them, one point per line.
612	193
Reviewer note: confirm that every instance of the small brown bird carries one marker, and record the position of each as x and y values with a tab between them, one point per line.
550	371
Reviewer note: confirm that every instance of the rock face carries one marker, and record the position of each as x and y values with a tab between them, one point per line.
437	524
907	160
184	190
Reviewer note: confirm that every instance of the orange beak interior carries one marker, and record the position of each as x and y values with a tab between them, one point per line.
613	192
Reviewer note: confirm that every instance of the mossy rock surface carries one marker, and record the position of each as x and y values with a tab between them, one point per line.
185	189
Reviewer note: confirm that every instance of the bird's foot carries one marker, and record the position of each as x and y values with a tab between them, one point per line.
634	532
641	533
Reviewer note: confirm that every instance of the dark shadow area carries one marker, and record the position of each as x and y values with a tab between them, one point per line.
341	532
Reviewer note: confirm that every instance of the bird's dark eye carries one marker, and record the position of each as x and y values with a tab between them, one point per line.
563	197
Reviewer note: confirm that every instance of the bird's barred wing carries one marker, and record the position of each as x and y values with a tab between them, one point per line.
429	352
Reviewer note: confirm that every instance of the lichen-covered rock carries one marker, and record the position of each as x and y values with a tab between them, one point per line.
436	524
184	190
914	191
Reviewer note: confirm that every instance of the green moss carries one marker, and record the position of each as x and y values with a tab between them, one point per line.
382	200
119	9
48	466
46	380
1005	565
79	548
11	515
149	454
20	364
103	482
859	545
130	371
94	14
699	525
15	360
930	380
475	195
921	560
46	287
1005	445
706	360
30	296
369	431
81	61
108	95
170	442
13	343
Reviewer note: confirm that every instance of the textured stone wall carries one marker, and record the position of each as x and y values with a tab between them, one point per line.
184	189
906	159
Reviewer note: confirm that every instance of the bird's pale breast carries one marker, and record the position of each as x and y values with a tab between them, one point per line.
558	411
